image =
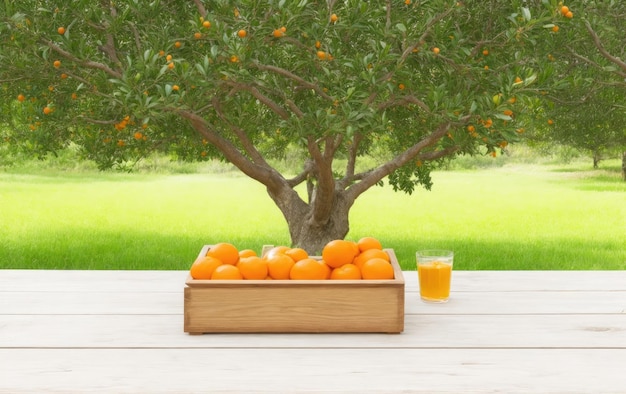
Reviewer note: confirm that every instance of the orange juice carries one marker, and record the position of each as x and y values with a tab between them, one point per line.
434	278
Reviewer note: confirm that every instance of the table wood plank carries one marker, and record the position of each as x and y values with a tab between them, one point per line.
314	370
502	331
132	302
421	331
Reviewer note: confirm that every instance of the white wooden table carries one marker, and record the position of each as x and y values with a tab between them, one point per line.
502	331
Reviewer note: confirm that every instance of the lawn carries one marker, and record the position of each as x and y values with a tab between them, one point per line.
514	217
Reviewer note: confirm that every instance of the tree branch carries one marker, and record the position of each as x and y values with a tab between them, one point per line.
322	199
598	44
201	9
370	178
261	97
248	146
84	63
294	77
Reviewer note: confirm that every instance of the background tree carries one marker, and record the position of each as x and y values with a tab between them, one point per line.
243	81
591	113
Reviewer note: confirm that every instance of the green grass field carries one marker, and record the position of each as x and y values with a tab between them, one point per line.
516	217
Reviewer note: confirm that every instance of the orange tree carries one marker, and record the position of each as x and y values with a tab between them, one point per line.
243	81
590	114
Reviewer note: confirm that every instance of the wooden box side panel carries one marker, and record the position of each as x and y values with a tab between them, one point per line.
314	308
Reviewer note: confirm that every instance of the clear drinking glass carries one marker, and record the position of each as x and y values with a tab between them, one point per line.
434	270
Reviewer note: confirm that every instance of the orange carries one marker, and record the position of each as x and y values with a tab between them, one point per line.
242	33
57	63
246	253
370	254
279	265
310	269
47	110
366	243
346	271
177	44
252	267
564	10
138	135
226	271
278	33
61	30
436	50
203	268
276	250
225	252
21	97
206	24
321	55
555	28
197	35
569	15
170	66
377	268
297	254
334	18
338	252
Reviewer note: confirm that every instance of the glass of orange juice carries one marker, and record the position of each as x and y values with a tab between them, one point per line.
434	270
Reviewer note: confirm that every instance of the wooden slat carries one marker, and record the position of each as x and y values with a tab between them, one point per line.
130	302
421	331
317	370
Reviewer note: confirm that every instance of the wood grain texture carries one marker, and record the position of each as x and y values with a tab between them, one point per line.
501	332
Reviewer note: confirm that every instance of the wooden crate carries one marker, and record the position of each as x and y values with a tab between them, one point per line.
295	305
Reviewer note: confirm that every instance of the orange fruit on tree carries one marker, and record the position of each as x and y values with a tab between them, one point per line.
309	269
334	18
370	254
226	272
569	15
47	110
338	252
436	50
203	267
225	252
366	243
206	24
177	44
242	33
57	63
253	267
297	254
321	55
277	33
346	271
21	97
279	265
61	30
246	253
564	10
377	268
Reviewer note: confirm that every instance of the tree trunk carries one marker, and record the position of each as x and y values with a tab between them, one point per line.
305	230
624	166
596	159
